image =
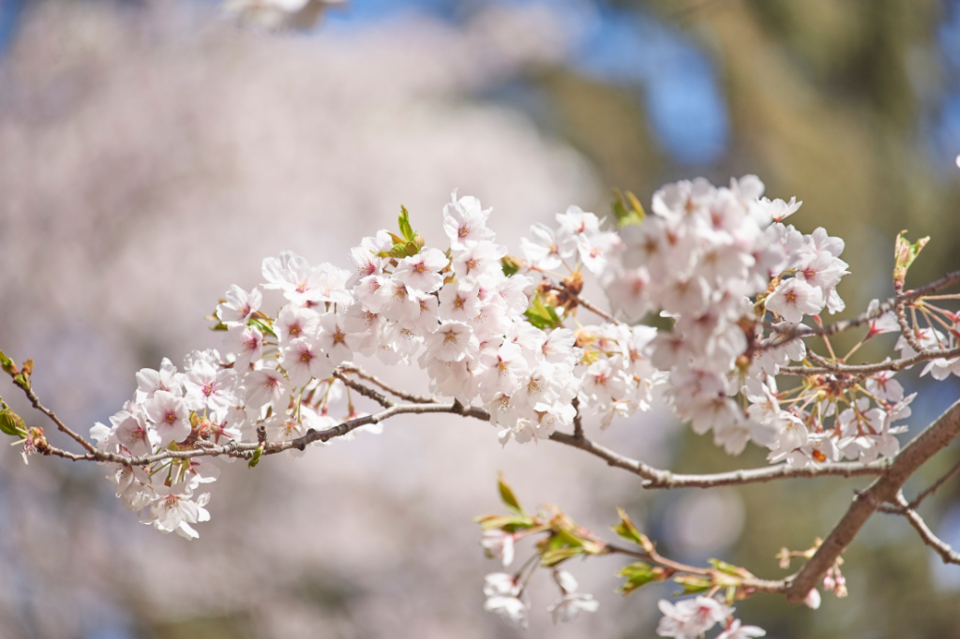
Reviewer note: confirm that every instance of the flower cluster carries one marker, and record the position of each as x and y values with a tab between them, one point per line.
730	280
506	598
692	618
735	282
165	413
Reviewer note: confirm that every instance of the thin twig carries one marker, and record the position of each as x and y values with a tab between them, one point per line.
366	391
596	310
35	401
906	330
348	367
867	369
663	479
946	553
935	486
577	420
753	583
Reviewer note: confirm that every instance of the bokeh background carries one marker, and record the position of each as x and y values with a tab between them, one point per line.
153	152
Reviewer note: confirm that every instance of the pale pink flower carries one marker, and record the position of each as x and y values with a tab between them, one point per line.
794	298
170	417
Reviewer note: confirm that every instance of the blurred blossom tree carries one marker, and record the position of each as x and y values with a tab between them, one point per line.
713	308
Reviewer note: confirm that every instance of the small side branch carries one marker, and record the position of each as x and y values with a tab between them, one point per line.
348	367
946	553
63	428
935	486
885	489
869	369
366	391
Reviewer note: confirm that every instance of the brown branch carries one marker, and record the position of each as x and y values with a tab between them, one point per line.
245	450
577	420
946	553
763	475
613	459
753	583
664	479
366	391
35	402
348	367
885	489
935	486
596	310
906	330
868	369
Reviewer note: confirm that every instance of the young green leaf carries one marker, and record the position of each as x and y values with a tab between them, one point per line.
629	531
405	229
508	523
627	209
257	452
509	499
904	255
510	265
12	424
557	555
639	574
692	584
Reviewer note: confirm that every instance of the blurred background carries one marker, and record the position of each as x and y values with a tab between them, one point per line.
153	152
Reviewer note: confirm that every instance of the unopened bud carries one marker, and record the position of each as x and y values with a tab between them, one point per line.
7	364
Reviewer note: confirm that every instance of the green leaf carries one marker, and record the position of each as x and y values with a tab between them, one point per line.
12	424
405	229
509	265
904	255
692	584
729	569
257	452
627	209
219	326
542	315
263	326
629	531
558	555
639	574
508	523
506	494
